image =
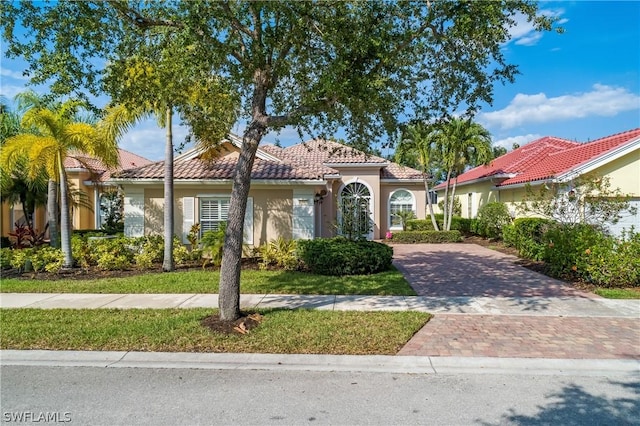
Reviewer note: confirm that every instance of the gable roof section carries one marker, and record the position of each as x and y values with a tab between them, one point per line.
545	158
101	173
559	163
221	169
312	160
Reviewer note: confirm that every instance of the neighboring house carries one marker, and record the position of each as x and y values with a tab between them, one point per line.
554	160
295	191
85	174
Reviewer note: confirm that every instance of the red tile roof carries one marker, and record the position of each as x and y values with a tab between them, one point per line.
126	160
545	158
309	160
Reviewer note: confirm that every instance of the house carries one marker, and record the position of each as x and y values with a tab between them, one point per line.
556	160
85	174
295	191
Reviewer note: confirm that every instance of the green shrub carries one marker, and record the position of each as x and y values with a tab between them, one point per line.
6	254
281	253
112	253
566	246
181	255
20	257
212	243
150	249
615	263
47	259
339	256
413	237
82	254
457	223
421	224
462	224
492	217
527	236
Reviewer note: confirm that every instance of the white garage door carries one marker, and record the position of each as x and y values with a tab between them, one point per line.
628	220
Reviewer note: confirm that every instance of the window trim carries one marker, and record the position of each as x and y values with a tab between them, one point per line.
413	203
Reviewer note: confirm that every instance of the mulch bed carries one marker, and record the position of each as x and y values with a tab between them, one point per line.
243	325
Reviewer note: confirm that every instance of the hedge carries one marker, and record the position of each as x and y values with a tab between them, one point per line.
340	256
427	237
458	223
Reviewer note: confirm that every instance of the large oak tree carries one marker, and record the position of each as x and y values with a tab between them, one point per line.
360	66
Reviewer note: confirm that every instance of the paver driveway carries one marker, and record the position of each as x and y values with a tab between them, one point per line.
470	271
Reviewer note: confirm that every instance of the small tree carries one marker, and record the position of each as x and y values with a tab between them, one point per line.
355	219
587	199
404	216
111	206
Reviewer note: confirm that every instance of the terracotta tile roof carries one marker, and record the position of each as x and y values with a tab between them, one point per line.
302	161
126	160
544	158
561	162
223	168
322	151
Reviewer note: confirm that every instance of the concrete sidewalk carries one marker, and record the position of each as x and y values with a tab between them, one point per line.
529	306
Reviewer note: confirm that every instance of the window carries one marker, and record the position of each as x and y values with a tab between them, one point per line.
213	211
400	200
434	197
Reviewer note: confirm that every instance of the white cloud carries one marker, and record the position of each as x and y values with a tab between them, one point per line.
524	33
520	140
9	91
4	72
603	100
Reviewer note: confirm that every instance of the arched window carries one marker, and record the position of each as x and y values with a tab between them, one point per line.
355	211
400	201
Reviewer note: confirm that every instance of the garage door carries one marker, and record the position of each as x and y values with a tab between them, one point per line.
628	220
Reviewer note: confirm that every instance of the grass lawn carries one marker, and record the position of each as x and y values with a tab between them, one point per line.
179	330
251	282
618	293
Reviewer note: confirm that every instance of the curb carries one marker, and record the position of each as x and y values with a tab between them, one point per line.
322	363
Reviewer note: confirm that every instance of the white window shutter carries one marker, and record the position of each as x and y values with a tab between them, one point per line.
188	217
134	214
303	218
248	222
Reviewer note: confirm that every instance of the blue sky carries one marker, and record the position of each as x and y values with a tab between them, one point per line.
580	85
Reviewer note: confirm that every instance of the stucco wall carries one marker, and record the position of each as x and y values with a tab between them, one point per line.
624	173
387	189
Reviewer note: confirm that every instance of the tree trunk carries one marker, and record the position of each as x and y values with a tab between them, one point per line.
229	293
445	204
453	203
65	219
434	222
52	213
167	263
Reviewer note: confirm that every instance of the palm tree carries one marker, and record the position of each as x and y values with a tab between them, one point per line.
122	118
16	187
417	146
56	135
463	144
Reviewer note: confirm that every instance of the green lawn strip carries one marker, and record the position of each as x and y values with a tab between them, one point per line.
178	330
252	282
618	293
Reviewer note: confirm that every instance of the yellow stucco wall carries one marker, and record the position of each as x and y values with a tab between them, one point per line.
624	173
276	200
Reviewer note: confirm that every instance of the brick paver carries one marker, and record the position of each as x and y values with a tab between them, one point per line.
453	270
509	336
